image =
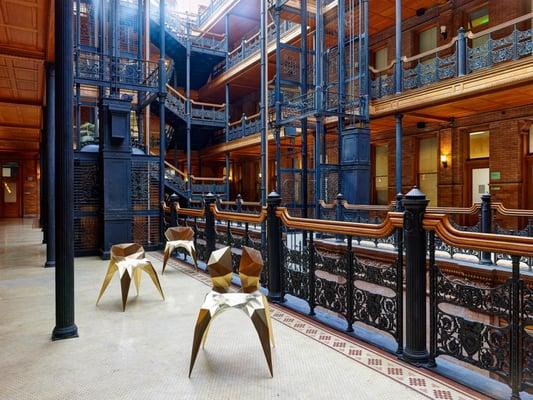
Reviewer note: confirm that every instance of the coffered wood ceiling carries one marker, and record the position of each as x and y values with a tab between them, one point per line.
26	32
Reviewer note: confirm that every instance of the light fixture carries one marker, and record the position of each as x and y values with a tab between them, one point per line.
444	160
260	175
444	32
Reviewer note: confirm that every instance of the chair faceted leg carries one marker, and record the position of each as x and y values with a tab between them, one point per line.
137	279
150	270
111	270
125	281
269	320
259	320
166	256
202	324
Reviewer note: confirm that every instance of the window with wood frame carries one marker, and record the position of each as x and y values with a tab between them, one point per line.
427	40
479	145
381	58
428	168
478	20
381	173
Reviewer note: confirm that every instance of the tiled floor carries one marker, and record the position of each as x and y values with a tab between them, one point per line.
143	353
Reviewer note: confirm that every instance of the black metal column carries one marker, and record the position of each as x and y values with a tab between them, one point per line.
415	204
49	171
64	274
162	137
210	233
274	248
486	225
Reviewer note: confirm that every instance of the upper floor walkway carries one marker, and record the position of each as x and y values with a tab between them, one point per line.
144	352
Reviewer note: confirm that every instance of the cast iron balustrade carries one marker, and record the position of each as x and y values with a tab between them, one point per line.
201	113
93	68
487	326
251	46
458	57
184	28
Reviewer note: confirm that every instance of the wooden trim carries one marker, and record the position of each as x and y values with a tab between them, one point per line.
386	228
239	217
505	244
190	211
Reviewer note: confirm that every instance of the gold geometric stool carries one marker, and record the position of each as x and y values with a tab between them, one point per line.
128	259
179	237
252	302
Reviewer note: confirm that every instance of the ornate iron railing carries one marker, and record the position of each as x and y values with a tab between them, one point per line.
98	69
184	27
251	46
246	126
204	113
458	57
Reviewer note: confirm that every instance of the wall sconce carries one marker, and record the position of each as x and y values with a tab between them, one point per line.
444	160
444	32
259	175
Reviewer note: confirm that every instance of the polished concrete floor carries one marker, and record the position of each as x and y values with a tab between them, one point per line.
143	353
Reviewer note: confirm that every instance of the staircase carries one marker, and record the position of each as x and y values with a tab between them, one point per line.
176	182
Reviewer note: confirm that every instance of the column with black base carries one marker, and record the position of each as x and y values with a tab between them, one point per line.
415	204
486	226
64	274
49	170
274	248
355	165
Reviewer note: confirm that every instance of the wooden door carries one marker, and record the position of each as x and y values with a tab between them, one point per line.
10	190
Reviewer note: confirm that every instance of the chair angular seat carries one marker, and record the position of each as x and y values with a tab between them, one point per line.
179	237
251	301
128	260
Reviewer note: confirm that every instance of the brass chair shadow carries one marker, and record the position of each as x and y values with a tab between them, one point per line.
128	260
250	300
179	237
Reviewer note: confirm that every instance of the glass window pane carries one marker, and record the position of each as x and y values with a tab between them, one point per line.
479	144
381	180
6	172
427	156
10	192
381	58
382	160
427	40
479	17
428	185
88	133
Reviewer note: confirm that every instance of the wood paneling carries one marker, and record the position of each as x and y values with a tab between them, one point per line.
21	80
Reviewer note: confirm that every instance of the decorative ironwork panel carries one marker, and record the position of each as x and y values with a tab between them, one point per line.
296	278
376	310
484	346
87	202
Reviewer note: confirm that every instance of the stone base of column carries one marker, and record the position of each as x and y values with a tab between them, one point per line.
50	264
417	358
65	332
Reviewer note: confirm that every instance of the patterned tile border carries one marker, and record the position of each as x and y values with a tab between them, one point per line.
422	381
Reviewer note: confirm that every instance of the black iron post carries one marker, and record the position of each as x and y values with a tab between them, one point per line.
274	239
486	226
210	234
49	171
174	200
415	204
64	274
339	214
461	52
162	96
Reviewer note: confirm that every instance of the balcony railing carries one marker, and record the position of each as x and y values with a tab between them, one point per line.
184	27
246	126
458	57
205	113
94	68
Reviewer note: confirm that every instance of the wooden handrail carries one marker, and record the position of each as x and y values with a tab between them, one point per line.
430	52
191	212
386	228
246	118
473	209
251	203
367	207
180	172
198	103
239	217
203	179
511	212
505	244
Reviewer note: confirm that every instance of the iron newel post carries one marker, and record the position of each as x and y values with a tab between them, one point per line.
415	204
274	239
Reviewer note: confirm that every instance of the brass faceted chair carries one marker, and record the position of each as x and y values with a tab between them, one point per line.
128	260
251	301
179	237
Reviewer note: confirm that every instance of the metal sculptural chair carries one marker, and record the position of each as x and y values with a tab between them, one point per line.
179	237
128	259
251	301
